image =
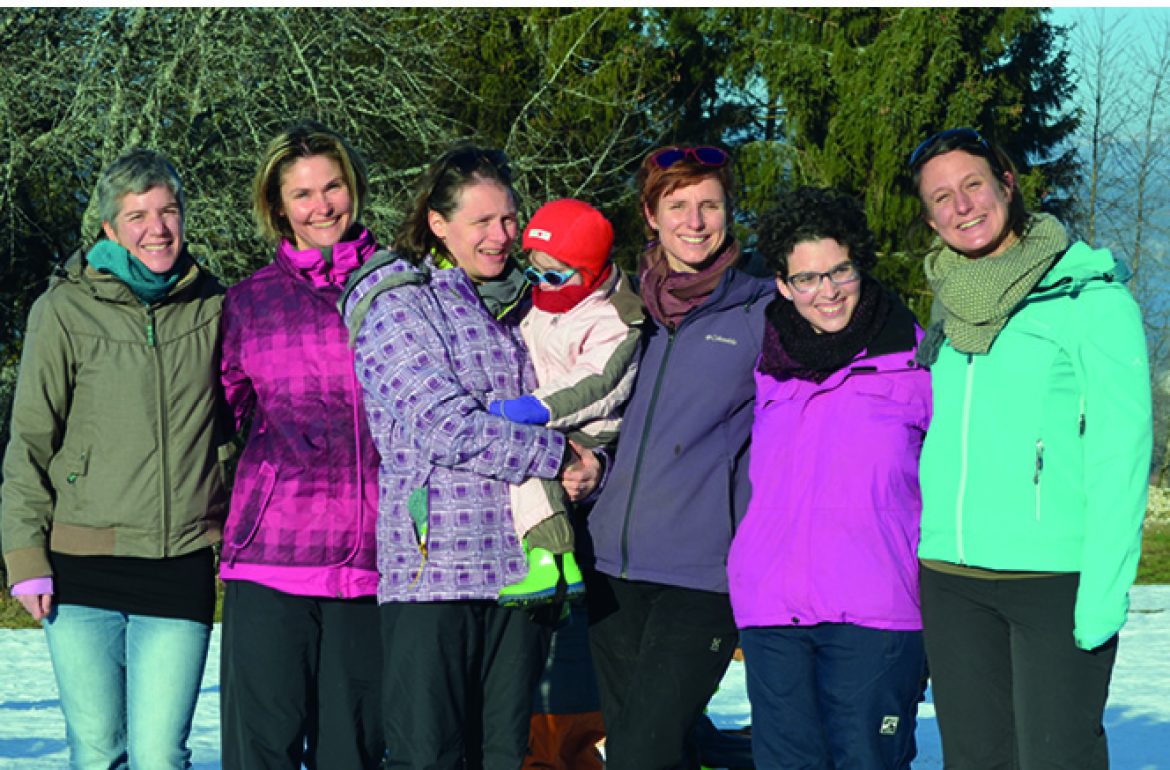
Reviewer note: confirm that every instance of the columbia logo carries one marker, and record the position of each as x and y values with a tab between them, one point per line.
724	340
889	725
540	235
716	643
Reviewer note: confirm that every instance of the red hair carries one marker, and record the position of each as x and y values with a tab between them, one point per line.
654	181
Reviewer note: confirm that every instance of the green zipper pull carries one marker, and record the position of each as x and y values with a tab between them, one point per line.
150	330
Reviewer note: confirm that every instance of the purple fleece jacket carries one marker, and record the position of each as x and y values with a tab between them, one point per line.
430	357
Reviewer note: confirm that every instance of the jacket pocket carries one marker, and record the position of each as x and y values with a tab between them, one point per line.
68	471
249	501
76	467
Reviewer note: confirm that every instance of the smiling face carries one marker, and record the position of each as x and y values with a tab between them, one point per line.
150	226
316	201
828	307
482	228
966	204
691	223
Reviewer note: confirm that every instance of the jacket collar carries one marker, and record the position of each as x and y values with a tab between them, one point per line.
323	269
109	288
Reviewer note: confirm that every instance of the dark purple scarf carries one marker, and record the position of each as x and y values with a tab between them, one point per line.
793	349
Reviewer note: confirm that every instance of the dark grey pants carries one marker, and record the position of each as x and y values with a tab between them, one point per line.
458	680
659	652
300	681
1011	689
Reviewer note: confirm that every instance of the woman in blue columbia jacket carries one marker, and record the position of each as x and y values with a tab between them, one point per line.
1034	471
662	631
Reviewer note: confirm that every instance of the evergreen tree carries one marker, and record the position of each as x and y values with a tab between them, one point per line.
859	88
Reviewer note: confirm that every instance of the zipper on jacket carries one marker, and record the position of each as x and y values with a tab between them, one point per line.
964	437
163	430
643	441
1036	475
355	392
150	340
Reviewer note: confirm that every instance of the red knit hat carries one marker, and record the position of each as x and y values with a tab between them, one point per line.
573	232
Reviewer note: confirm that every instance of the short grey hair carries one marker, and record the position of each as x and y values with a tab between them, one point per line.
135	172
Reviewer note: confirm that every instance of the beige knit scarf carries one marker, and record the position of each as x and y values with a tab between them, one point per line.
978	295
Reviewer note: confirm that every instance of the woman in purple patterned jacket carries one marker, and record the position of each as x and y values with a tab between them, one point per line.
437	336
301	648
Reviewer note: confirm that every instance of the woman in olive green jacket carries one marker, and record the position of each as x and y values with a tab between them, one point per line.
113	494
1034	470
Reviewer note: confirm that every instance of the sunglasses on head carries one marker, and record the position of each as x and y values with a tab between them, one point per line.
468	159
703	155
967	135
465	161
553	278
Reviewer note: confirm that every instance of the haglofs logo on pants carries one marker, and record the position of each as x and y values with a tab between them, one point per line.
889	725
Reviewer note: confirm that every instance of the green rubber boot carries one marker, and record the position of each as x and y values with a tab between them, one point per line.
551	577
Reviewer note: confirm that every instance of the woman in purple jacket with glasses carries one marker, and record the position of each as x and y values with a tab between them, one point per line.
823	573
301	647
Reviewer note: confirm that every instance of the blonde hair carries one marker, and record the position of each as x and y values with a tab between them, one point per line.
304	140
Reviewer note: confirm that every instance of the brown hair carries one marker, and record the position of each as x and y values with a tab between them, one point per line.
438	190
972	142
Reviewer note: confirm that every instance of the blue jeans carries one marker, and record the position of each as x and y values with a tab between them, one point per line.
833	696
128	686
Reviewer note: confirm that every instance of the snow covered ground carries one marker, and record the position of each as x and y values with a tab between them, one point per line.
32	733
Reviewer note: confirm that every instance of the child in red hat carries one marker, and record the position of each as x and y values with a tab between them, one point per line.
581	333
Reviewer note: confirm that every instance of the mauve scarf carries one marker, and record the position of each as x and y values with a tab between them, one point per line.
668	295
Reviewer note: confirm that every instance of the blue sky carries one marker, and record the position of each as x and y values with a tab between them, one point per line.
1136	25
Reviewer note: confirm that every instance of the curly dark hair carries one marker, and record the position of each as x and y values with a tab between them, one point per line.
810	214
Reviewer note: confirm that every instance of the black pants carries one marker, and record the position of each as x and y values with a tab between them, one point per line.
458	681
659	652
300	681
1011	689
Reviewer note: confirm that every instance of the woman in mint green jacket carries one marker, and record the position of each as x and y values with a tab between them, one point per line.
1034	470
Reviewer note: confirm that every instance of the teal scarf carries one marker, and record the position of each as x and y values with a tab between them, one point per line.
109	257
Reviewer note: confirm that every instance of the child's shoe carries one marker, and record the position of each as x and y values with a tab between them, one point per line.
551	577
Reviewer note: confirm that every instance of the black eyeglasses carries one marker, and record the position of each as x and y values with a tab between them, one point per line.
703	155
968	135
553	278
842	274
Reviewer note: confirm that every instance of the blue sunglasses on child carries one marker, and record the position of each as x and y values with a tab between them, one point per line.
551	277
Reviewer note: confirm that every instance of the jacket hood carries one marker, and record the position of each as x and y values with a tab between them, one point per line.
1081	265
384	271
